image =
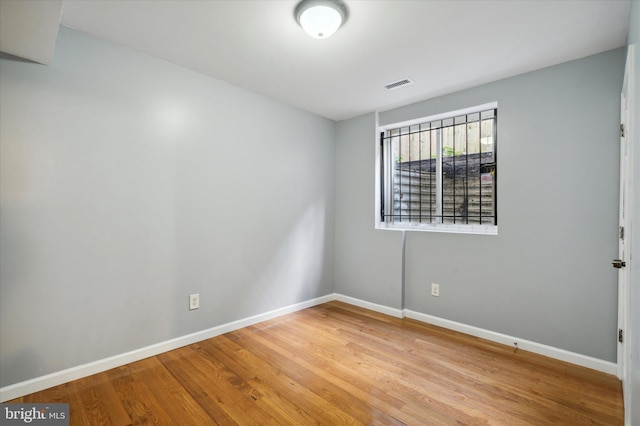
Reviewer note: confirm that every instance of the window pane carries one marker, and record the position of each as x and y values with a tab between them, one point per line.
486	136
447	142
413	178
490	113
487	169
473	138
425	145
473	117
466	145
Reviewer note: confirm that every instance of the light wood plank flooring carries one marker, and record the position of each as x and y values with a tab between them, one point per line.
337	364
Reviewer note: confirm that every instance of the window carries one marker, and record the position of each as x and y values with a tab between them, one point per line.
439	173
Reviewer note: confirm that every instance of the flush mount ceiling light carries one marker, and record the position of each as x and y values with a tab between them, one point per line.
321	18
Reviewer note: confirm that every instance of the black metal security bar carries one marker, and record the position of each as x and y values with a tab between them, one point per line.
382	175
442	171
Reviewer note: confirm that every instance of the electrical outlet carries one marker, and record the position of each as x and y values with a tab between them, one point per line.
194	301
435	289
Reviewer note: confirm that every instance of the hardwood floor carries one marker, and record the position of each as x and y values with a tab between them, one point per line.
338	364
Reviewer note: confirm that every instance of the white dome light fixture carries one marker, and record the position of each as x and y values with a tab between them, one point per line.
321	18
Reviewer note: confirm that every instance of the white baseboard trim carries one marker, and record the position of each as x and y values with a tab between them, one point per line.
54	379
527	345
371	306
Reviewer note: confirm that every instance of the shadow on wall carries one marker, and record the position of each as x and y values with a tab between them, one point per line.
294	271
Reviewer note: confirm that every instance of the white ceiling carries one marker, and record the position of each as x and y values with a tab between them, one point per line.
443	46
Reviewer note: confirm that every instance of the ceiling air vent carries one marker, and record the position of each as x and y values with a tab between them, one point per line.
399	83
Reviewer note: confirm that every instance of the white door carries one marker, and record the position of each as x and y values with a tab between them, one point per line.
622	262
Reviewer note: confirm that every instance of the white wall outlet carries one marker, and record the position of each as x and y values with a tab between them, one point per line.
194	301
435	289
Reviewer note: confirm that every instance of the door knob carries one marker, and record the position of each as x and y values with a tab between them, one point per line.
617	263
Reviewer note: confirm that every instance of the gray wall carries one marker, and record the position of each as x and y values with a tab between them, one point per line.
368	263
128	183
547	276
119	183
634	39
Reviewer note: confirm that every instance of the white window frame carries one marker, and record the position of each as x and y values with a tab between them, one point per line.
414	226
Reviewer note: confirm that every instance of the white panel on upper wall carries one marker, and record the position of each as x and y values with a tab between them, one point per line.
28	28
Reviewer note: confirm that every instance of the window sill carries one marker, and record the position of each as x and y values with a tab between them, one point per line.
451	229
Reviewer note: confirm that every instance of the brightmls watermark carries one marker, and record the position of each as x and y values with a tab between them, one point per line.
36	414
